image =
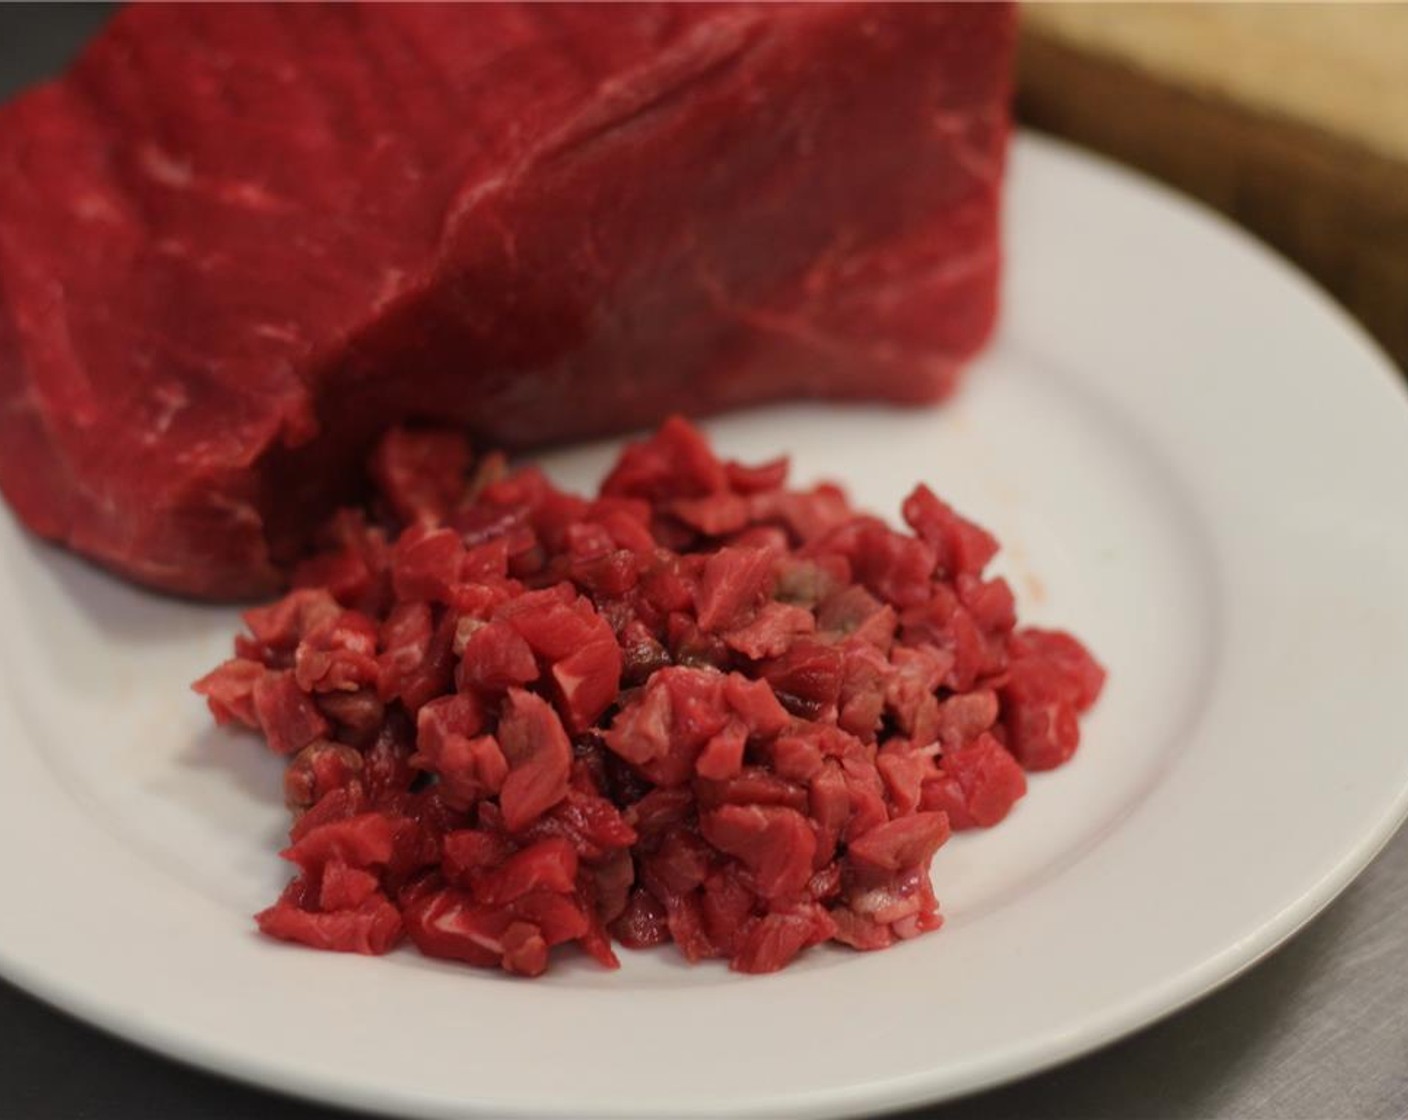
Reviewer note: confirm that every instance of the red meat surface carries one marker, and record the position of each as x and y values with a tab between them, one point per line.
237	242
518	718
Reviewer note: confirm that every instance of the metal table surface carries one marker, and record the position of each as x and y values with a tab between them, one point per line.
1317	1032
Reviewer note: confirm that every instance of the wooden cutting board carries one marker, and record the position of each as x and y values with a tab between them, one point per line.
1291	118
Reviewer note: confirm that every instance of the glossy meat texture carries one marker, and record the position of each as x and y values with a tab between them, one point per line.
237	242
699	708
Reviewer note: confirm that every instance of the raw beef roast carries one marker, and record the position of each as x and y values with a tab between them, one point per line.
236	242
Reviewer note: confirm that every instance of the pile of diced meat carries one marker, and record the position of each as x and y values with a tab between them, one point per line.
700	707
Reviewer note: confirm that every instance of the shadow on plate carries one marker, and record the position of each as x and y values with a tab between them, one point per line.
243	758
120	610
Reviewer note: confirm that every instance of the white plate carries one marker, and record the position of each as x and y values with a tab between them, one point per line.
1195	462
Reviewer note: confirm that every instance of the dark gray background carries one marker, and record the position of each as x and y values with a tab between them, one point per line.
1318	1032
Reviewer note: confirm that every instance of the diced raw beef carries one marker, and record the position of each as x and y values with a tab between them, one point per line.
237	242
557	784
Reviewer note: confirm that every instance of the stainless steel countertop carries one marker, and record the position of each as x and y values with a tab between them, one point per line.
1317	1032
